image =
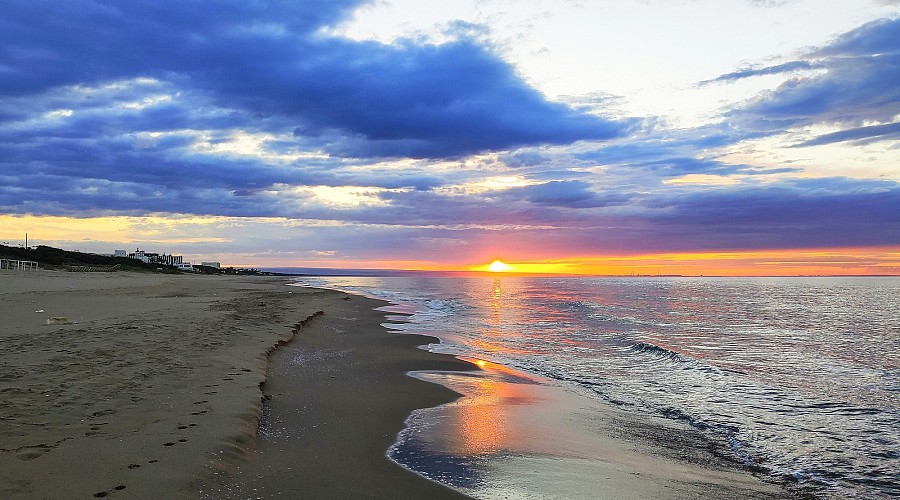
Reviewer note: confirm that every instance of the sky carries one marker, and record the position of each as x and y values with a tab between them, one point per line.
756	137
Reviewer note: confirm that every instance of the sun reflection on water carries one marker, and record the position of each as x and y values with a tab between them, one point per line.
485	420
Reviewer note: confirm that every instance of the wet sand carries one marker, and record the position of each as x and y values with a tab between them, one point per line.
515	435
336	399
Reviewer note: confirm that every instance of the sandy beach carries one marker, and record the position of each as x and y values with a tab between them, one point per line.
161	386
152	388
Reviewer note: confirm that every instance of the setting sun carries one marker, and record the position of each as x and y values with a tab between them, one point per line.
498	266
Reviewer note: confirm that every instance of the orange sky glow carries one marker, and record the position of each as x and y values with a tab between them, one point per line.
836	261
104	234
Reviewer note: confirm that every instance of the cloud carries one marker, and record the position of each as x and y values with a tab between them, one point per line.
802	214
860	135
660	153
767	70
249	110
524	159
568	194
872	39
269	61
858	85
229	108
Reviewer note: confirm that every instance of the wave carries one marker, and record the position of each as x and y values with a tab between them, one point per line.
683	360
660	352
446	307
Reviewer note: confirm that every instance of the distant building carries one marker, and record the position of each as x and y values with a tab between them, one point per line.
139	255
216	265
151	258
169	260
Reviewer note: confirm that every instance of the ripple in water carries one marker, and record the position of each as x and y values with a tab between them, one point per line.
800	376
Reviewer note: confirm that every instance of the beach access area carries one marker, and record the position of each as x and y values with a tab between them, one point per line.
134	385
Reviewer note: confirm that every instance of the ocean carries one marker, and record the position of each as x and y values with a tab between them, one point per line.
797	377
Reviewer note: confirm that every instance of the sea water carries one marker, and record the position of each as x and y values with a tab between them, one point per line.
798	376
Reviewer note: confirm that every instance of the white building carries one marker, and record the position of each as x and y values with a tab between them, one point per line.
140	255
148	258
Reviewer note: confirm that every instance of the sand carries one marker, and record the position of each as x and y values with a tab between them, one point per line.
161	386
153	388
336	398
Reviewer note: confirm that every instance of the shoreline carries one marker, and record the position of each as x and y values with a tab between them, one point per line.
336	397
168	386
518	435
501	412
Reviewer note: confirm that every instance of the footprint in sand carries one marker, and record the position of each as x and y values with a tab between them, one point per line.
30	455
101	494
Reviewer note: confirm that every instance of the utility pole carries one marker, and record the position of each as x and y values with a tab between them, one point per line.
26	241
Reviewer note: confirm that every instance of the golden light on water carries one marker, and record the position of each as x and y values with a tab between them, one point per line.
498	266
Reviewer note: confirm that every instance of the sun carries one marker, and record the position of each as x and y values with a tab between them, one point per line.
498	266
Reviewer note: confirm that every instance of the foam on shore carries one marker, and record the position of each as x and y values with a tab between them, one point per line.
514	435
